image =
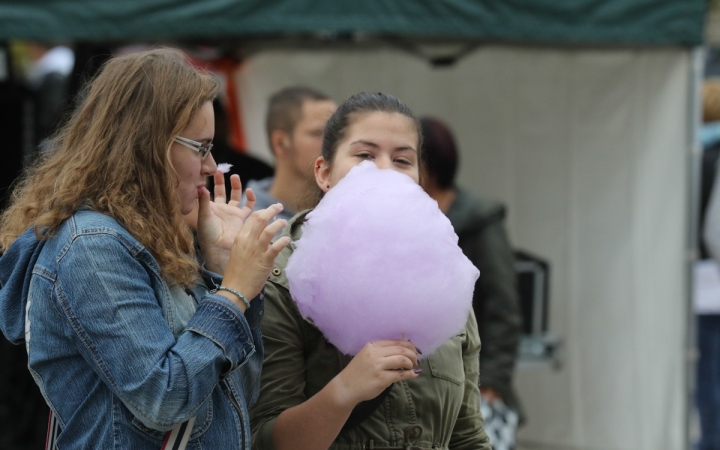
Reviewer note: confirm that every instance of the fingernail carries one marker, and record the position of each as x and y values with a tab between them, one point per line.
417	371
418	350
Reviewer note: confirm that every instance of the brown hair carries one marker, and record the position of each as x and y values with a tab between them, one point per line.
357	106
285	108
113	155
439	151
354	108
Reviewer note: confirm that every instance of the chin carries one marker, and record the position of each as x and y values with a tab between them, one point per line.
187	209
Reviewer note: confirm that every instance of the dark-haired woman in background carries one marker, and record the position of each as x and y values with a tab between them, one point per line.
314	397
480	225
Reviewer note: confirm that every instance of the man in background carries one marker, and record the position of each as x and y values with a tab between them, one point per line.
295	124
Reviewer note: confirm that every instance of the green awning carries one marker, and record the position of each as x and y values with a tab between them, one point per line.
594	22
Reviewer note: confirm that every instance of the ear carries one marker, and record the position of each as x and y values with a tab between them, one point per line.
322	174
279	143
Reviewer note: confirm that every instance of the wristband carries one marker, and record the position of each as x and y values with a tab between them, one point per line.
233	291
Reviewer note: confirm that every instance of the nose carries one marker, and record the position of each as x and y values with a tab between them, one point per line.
383	162
208	166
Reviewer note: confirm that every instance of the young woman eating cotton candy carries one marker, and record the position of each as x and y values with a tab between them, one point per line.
386	396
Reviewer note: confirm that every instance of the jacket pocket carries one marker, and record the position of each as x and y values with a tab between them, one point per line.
447	361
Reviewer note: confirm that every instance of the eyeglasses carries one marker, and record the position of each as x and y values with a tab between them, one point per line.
204	150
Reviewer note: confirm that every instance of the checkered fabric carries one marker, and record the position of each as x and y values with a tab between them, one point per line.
500	424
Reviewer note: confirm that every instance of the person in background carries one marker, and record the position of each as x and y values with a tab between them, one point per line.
244	165
295	122
480	225
706	298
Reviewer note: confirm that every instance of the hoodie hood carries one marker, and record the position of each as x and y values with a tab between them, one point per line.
470	213
16	267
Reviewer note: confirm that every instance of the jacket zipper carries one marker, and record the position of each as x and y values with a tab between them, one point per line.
227	392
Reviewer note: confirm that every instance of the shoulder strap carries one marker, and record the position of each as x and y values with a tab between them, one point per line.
178	437
52	432
175	439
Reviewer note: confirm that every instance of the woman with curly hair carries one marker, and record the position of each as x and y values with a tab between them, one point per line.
132	342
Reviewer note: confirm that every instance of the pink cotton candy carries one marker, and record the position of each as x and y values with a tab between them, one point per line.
377	259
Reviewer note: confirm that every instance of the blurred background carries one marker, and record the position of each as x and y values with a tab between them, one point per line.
583	117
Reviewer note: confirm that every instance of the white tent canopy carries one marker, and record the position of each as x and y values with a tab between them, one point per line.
591	151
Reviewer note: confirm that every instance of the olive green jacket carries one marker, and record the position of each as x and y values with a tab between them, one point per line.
440	409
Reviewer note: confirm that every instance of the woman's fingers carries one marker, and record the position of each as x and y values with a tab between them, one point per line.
249	201
398	362
376	366
271	230
390	342
203	203
258	221
397	342
256	235
235	190
277	246
219	188
398	350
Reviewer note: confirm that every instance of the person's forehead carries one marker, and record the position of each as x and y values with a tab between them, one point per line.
203	119
317	109
383	125
372	120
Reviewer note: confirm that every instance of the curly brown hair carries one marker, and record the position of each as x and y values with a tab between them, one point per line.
113	156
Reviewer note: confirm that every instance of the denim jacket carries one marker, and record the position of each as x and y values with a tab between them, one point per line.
119	359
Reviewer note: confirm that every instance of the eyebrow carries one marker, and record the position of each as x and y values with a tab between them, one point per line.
374	145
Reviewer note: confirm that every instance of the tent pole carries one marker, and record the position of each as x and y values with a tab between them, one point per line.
694	155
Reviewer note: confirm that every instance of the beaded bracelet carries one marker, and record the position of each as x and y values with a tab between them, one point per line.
233	291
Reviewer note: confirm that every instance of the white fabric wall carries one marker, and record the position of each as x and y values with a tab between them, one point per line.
588	149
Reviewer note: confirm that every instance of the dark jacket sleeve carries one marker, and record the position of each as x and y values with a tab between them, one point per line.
495	303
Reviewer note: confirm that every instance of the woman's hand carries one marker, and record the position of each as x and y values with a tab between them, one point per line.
378	365
252	256
316	422
219	221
